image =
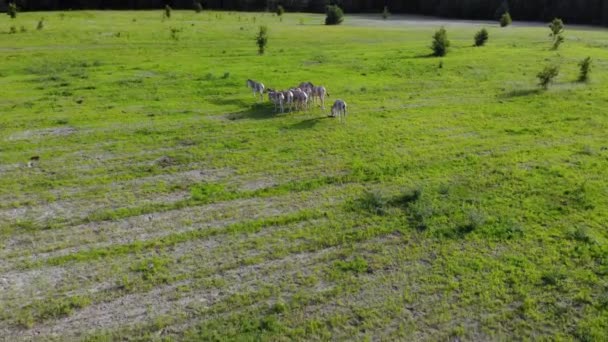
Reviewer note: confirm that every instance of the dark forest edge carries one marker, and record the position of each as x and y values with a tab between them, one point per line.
594	12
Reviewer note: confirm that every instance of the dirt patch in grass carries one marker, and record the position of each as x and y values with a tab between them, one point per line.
41	133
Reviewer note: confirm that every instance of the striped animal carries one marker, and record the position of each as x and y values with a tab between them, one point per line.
288	94
257	87
277	98
300	99
339	109
319	92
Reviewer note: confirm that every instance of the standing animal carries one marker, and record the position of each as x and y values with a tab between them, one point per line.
300	99
339	109
277	98
288	98
257	87
319	92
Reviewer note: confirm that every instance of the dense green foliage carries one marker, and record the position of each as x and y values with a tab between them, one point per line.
547	75
557	29
440	43
481	37
334	15
585	68
262	39
573	11
167	203
505	19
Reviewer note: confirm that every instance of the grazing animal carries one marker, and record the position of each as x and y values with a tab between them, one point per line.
300	98
339	109
319	92
277	98
257	87
288	94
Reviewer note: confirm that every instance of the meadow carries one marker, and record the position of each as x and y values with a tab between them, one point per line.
457	202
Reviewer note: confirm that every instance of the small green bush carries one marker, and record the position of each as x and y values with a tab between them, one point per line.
262	39
12	30
22	29
385	13
175	33
440	43
40	25
585	67
505	19
481	37
547	75
334	15
557	29
280	10
12	10
167	11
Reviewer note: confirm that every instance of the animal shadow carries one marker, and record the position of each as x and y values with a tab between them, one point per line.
308	123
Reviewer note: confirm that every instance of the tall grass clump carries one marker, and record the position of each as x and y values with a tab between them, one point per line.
557	29
40	25
481	37
440	43
280	10
546	76
505	19
585	68
262	39
167	11
12	10
334	15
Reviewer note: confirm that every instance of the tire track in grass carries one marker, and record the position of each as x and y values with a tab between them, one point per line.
73	239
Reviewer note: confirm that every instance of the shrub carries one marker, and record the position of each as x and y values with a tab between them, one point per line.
505	20
546	76
175	33
40	24
167	11
481	37
557	29
22	29
12	10
198	8
280	10
385	13
440	43
334	15
585	66
12	30
262	39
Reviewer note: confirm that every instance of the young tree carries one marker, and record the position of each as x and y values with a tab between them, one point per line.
334	15
505	20
585	67
12	10
280	10
546	76
167	11
198	7
440	43
481	37
557	29
385	13
262	39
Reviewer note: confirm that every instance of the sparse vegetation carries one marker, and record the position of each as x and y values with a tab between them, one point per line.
505	19
385	13
262	39
174	33
585	68
557	29
333	15
440	43
481	37
12	10
546	76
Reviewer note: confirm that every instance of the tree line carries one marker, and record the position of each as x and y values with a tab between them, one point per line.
571	11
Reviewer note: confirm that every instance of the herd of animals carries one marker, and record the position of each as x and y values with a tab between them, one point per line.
298	98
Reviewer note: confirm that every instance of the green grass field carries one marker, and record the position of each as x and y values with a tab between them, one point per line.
457	201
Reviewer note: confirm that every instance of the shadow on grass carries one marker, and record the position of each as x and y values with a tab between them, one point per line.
258	111
308	123
521	93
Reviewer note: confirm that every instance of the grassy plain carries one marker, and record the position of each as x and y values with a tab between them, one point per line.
457	201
